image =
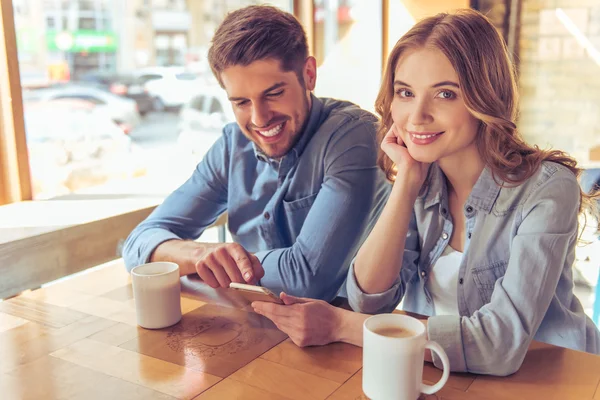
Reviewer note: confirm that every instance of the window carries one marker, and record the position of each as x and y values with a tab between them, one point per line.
80	37
50	23
345	34
215	107
197	103
91	99
87	23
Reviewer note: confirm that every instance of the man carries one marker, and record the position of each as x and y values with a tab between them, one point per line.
296	174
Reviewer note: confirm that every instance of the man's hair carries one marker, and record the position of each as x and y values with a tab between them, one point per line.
258	33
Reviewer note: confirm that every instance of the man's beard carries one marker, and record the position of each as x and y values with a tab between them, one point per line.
295	136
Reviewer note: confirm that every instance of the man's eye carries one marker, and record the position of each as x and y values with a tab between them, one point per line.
275	94
241	103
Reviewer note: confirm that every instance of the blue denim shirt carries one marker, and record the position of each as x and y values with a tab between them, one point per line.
304	216
515	279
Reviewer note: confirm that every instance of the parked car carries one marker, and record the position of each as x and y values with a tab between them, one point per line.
202	118
126	85
171	86
71	149
121	110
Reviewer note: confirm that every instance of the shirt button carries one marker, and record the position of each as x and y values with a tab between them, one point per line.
469	235
423	274
460	281
444	236
469	209
267	215
443	211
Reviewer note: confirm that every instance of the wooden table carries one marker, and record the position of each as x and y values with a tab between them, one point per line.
78	339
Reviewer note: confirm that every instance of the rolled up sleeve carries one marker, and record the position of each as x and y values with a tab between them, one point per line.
371	303
446	331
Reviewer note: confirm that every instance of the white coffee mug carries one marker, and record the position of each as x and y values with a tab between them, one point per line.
157	294
392	364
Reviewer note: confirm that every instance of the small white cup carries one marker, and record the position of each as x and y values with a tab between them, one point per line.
393	366
157	294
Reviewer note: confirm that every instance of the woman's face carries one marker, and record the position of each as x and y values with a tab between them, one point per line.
428	108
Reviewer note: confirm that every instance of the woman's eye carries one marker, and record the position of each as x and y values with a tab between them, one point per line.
404	93
447	94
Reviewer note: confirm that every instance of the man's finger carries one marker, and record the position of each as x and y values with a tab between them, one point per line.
218	272
229	265
206	275
242	260
257	267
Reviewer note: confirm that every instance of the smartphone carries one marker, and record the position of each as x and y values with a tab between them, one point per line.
255	293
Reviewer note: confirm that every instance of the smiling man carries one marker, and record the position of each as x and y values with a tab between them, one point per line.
296	174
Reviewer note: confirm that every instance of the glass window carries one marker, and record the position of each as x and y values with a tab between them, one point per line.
348	49
197	103
215	107
66	43
87	23
91	99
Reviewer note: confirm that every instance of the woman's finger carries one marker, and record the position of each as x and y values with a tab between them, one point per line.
270	310
289	299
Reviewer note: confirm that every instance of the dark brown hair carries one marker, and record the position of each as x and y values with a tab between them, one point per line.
258	33
487	79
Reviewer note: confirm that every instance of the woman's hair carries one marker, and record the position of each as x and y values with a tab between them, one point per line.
487	80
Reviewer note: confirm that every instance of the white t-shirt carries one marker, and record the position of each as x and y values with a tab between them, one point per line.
443	281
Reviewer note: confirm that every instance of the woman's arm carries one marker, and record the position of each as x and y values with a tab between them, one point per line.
378	262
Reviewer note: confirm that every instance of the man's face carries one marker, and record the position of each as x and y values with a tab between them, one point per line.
270	105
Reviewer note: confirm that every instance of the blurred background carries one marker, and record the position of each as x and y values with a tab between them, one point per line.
119	99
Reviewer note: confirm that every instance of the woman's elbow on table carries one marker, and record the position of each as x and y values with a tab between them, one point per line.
499	363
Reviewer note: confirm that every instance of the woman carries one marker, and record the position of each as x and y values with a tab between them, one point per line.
479	230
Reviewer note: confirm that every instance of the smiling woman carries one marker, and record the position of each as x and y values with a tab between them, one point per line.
479	230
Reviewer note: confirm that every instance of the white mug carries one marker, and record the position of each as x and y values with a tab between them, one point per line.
393	365
157	294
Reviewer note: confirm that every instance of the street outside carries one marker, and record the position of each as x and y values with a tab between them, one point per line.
167	163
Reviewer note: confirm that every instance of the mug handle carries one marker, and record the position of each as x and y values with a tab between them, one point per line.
431	389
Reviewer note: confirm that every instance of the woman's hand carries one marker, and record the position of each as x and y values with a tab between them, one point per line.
307	322
409	170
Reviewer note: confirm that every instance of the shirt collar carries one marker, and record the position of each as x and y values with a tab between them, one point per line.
483	196
314	119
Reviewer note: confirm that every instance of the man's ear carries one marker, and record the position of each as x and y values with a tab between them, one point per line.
309	73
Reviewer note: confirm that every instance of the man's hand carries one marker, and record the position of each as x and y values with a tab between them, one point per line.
228	263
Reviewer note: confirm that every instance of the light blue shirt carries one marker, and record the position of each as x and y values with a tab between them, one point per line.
304	216
515	282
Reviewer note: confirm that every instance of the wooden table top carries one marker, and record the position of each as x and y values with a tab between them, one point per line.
78	339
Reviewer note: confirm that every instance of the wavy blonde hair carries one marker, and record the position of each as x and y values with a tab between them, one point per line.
487	80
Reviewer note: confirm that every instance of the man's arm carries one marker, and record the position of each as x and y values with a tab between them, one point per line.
168	233
352	192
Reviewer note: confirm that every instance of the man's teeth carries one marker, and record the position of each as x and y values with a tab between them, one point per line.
272	132
424	136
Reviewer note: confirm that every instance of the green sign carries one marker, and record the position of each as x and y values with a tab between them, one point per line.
82	41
